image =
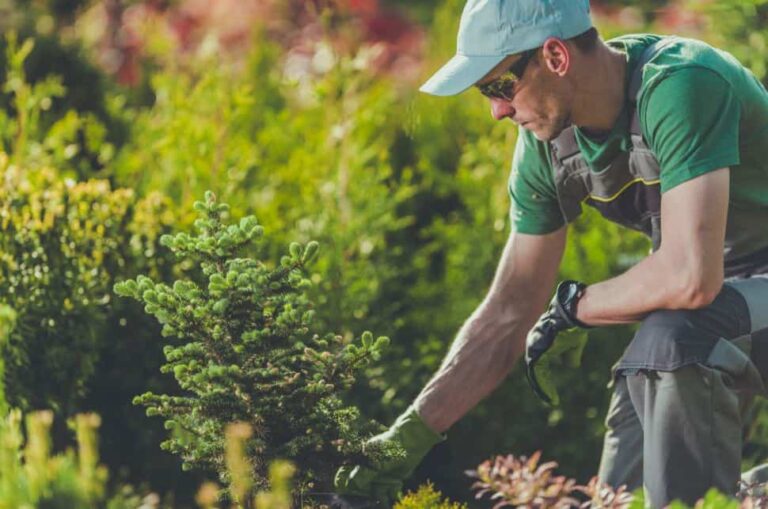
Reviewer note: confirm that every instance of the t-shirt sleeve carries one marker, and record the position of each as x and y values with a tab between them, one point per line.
692	124
535	208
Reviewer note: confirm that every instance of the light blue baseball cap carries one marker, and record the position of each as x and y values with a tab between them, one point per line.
490	30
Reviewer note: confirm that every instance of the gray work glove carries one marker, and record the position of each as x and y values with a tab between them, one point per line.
560	316
384	481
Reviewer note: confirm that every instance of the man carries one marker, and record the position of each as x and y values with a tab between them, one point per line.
664	135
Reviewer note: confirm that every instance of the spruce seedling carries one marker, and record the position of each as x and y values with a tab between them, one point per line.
242	349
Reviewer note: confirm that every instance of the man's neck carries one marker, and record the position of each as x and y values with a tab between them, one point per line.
600	90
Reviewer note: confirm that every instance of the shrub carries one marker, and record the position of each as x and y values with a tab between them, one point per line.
523	482
42	122
312	159
62	244
241	350
63	241
426	497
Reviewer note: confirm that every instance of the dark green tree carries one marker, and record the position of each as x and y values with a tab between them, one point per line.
243	351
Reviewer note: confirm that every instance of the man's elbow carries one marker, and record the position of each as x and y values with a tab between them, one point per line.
699	290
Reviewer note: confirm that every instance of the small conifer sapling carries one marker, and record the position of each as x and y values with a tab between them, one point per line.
242	348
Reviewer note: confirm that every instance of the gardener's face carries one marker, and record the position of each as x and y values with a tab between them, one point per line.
538	100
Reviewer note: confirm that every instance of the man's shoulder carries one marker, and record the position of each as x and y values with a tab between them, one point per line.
672	54
633	40
672	48
681	54
633	45
690	72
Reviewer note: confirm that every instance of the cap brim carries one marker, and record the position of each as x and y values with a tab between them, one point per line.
460	73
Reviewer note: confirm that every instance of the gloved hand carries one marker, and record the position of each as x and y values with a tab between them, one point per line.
384	481
560	316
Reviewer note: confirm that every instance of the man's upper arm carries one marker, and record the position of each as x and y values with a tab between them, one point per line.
693	221
691	119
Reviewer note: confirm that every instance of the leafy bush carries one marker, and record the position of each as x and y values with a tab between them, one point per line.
311	158
244	352
42	122
62	243
524	482
426	497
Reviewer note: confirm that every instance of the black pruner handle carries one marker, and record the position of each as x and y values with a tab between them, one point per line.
530	373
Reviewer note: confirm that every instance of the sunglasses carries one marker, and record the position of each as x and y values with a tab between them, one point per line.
503	86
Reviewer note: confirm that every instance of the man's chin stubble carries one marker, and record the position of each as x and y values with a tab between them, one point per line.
553	134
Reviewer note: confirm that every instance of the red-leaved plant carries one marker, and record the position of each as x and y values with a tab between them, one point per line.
603	496
523	482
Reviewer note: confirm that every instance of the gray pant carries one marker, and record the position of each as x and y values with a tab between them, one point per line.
681	392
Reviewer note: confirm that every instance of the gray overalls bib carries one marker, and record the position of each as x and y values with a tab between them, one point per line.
683	383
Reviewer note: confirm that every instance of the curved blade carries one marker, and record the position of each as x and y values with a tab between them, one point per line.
530	373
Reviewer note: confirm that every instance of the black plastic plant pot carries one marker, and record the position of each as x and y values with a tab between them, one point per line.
334	501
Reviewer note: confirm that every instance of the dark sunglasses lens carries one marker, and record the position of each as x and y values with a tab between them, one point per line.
501	88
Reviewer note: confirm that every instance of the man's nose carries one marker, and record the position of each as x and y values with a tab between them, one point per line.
501	108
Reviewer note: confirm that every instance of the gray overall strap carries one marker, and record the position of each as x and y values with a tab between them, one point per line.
635	83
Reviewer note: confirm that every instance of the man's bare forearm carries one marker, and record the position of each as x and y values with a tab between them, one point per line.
685	273
493	339
654	283
480	358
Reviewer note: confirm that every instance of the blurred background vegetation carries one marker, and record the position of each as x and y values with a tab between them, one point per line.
115	115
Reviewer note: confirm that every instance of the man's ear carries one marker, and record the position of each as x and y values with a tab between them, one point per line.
556	56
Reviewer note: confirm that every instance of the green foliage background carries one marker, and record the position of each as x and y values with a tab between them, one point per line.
405	193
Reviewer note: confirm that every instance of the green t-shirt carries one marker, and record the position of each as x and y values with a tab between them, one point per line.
699	109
